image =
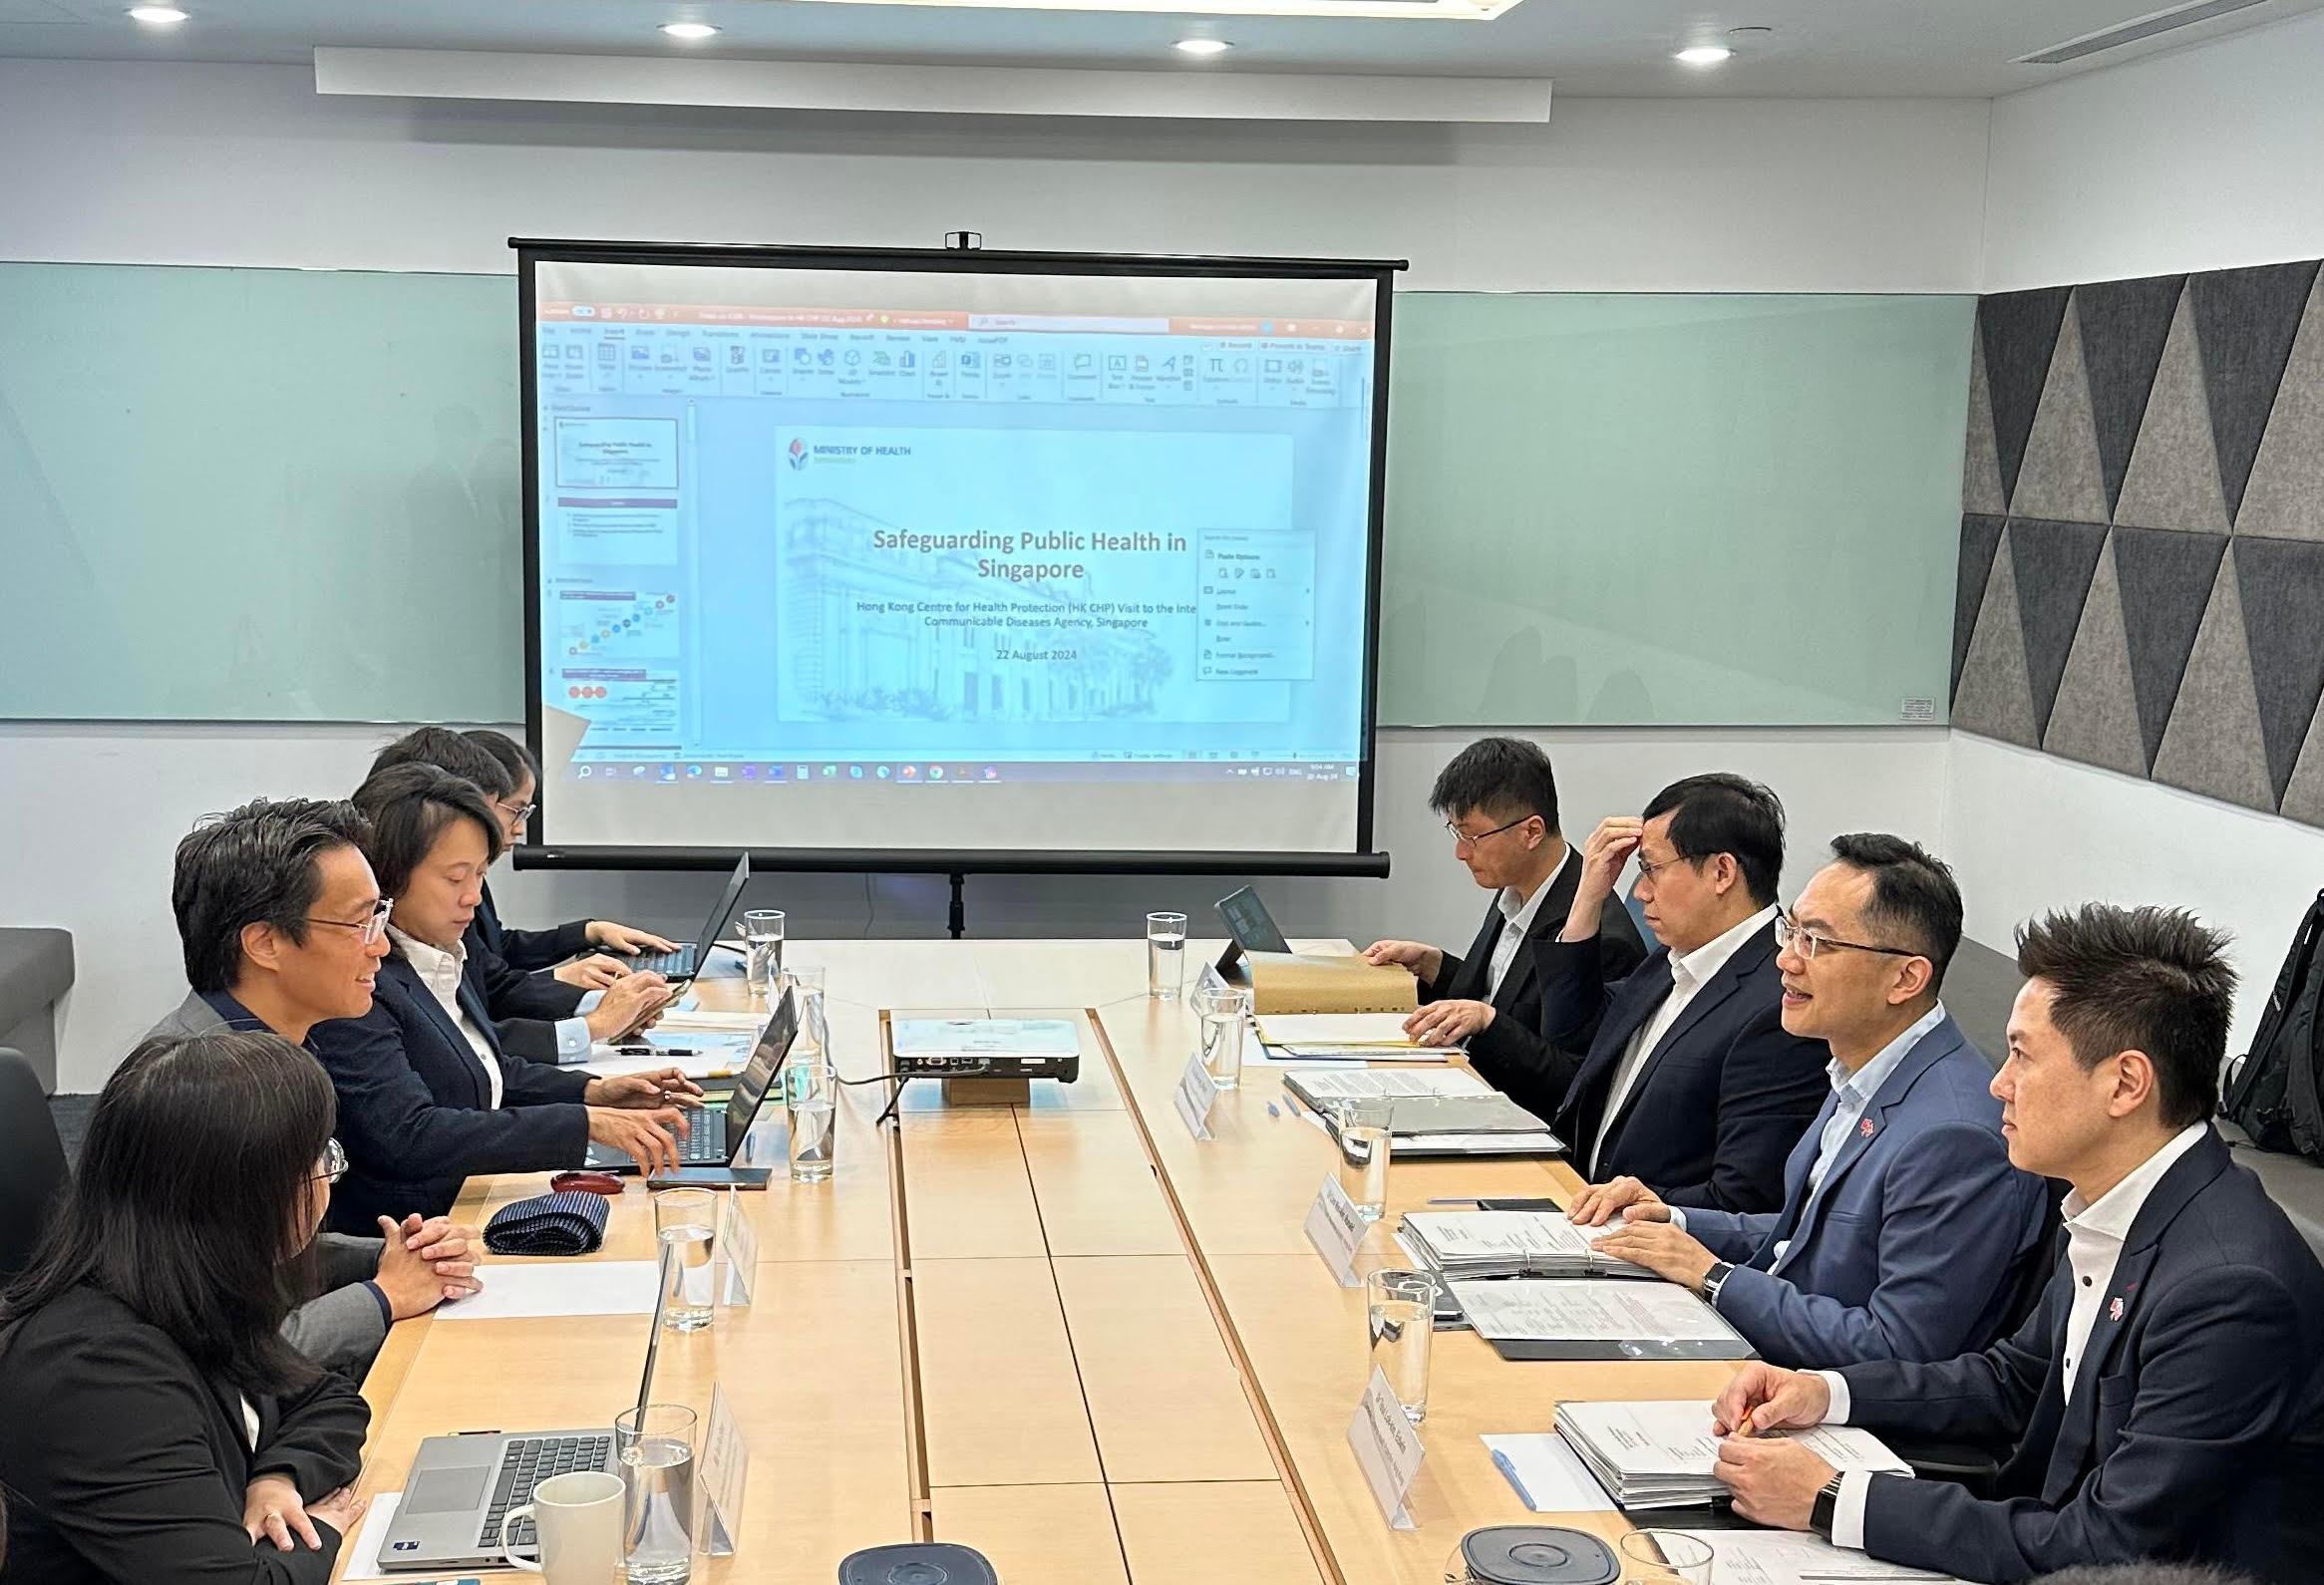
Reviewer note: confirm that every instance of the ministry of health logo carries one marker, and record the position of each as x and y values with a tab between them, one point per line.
798	453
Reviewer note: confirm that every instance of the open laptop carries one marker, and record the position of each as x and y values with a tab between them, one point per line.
715	1135
462	1488
1249	928
686	961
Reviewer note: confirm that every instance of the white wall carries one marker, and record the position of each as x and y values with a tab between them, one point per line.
218	164
2203	159
97	811
228	164
2206	159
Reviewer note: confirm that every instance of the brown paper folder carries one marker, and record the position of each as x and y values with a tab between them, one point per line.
1302	982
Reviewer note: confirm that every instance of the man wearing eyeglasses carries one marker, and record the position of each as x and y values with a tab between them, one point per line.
1498	797
283	927
1692	1084
1904	1233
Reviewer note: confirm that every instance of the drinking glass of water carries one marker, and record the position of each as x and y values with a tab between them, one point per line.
686	1224
655	1448
1674	1555
762	949
1223	1010
1401	1309
1362	1128
1165	955
811	1097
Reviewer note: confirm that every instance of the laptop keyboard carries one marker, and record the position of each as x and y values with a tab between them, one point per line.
528	1461
705	1141
667	964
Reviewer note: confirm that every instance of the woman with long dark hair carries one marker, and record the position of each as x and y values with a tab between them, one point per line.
153	1423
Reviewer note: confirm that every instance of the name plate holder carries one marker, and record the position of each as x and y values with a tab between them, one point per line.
1336	1228
1197	1095
1388	1448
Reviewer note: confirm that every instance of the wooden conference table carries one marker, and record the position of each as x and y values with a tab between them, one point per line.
1066	1333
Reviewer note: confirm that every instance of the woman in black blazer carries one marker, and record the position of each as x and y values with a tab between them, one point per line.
427	1097
153	1425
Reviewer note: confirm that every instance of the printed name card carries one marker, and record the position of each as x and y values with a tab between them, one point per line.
726	1459
1336	1228
1388	1448
738	1246
1197	1095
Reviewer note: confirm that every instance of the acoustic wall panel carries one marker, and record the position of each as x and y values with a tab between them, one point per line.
2165	617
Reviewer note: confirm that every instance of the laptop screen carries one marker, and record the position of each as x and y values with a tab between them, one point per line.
1248	921
758	1077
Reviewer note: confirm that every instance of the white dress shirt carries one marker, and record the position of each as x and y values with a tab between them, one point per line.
1688	975
1516	915
2095	1234
440	971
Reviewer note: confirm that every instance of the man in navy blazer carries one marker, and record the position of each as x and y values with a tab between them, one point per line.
1498	797
2166	1400
1904	1233
1692	1084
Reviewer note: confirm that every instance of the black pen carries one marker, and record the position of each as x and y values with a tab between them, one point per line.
656	1050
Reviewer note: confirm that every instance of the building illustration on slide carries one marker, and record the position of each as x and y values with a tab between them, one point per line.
866	636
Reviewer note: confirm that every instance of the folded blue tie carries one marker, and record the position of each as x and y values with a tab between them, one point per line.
549	1225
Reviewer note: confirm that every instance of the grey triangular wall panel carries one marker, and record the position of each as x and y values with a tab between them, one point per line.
1980	466
2053	561
2212	744
2173	477
2282	583
2059	476
1994	696
2285	496
2095	716
2164	580
2244	323
2304	798
2018	329
1980	535
2123	324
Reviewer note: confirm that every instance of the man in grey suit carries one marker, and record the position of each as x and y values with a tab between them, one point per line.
283	927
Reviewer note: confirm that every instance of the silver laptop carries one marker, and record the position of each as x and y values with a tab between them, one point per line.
715	1135
462	1488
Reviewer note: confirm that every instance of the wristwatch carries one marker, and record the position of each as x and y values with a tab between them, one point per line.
1719	1272
1825	1513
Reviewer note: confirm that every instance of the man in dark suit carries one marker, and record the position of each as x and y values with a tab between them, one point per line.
1692	1084
2167	1398
283	928
1904	1233
1498	797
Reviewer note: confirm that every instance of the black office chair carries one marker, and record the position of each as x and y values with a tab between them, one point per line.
1965	1464
32	1162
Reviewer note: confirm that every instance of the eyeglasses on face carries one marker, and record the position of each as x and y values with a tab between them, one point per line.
1461	838
1648	868
518	814
333	1167
1794	936
372	927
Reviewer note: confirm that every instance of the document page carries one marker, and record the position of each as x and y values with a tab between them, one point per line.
1334	1029
1514	1236
1784	1557
1673	1436
1590	1309
1369	1083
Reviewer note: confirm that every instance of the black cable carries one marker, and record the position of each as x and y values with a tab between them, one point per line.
878	1079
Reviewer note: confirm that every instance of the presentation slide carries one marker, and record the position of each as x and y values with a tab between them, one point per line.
950	560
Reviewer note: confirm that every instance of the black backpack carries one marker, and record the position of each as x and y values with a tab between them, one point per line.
2275	1090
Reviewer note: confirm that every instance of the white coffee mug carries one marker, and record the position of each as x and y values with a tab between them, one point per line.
579	1520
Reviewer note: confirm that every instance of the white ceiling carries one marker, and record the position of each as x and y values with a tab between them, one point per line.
1819	48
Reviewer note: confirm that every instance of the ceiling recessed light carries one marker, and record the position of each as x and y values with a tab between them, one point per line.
1703	54
156	16
690	32
1203	47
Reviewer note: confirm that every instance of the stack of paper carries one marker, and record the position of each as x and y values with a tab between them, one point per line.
1512	1244
1786	1557
1301	981
1453	1112
1659	1454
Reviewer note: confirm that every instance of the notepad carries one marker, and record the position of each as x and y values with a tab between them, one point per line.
575	1287
1659	1454
1512	1244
